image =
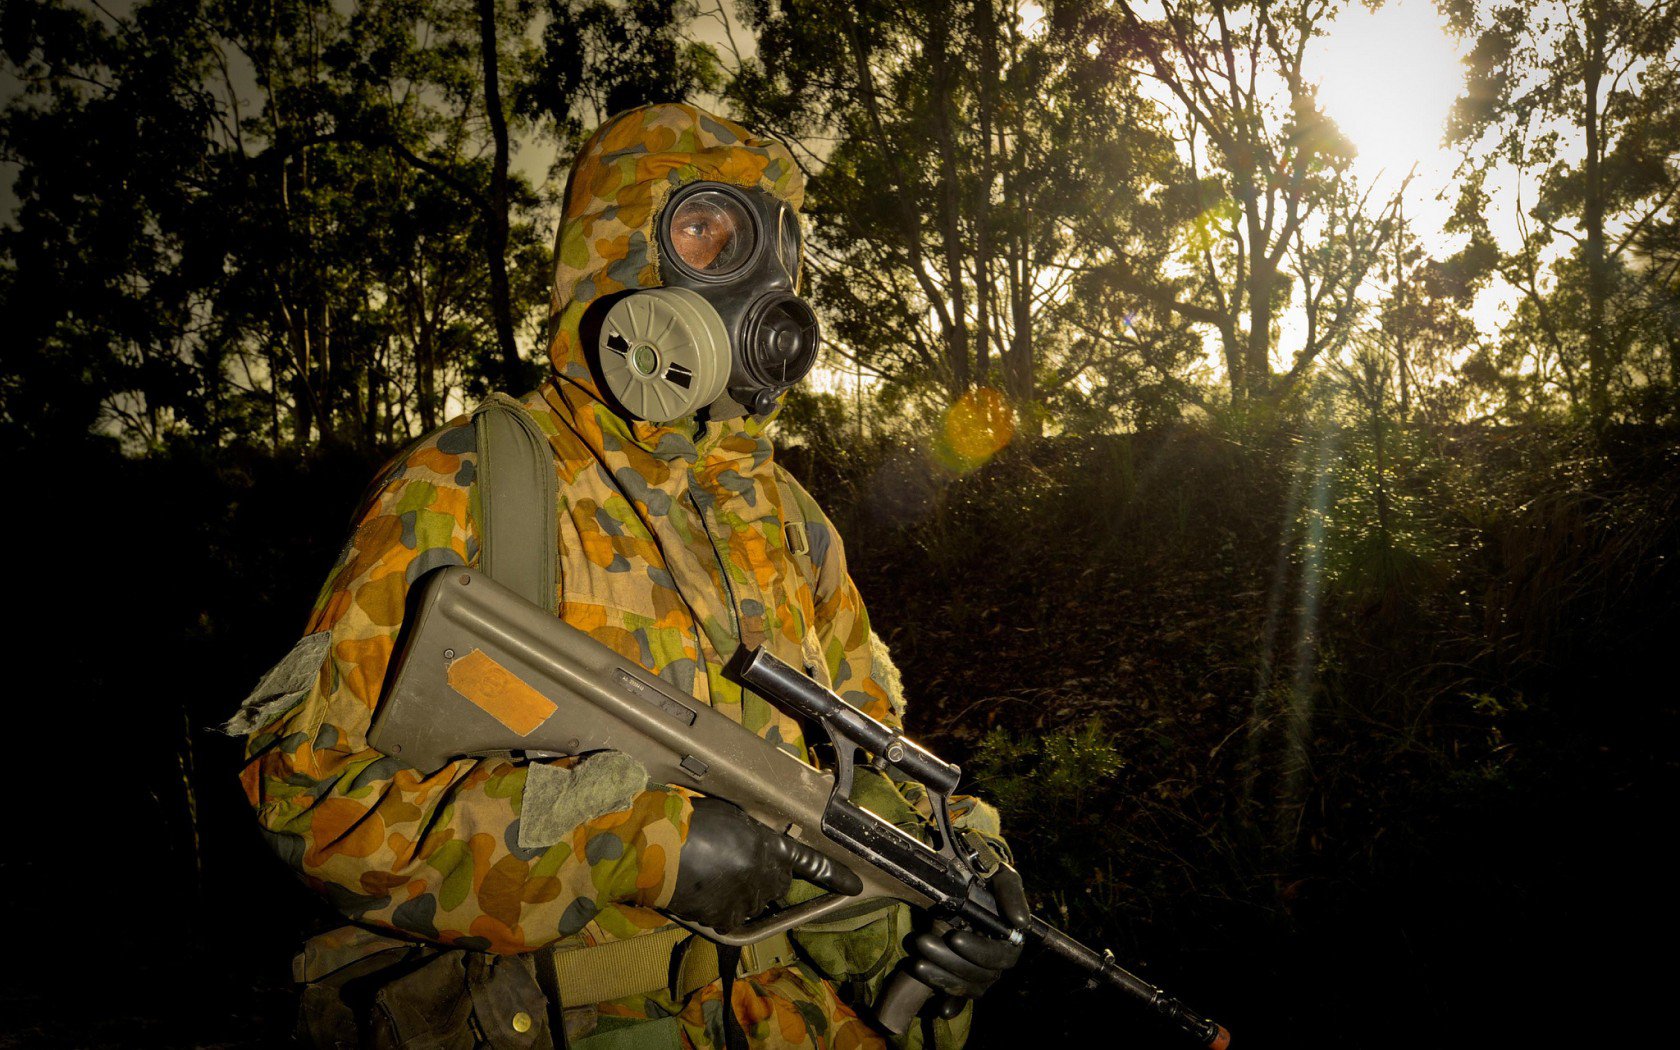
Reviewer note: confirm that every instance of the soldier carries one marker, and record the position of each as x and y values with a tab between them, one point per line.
525	904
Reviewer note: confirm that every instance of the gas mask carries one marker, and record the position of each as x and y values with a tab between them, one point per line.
725	333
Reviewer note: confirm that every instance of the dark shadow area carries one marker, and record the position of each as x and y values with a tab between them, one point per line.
153	595
1443	832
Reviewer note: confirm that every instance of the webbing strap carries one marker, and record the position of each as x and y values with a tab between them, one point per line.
549	982
644	963
617	968
729	960
518	493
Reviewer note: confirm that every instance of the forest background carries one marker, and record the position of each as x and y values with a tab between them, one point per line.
1289	549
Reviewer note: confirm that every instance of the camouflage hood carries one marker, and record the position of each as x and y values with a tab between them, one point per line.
622	178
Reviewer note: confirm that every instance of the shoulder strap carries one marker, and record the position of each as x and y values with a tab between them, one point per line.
518	494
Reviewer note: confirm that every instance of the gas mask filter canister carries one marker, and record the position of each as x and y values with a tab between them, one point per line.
665	353
726	332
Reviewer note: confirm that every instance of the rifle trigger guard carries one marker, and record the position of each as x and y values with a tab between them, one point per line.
942	821
845	765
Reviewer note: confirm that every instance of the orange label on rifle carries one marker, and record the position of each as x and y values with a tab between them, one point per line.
500	692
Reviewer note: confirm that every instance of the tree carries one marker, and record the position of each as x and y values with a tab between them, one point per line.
959	152
1279	222
1581	102
600	57
1424	326
313	234
110	135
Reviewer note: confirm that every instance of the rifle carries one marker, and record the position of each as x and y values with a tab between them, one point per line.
483	672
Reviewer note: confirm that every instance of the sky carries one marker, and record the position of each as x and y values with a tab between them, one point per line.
1388	78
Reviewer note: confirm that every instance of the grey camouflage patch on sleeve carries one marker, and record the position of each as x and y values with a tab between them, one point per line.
282	688
557	800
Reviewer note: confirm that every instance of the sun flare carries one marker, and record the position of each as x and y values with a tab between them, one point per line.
1388	79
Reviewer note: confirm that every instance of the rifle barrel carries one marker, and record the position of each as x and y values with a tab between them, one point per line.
1101	966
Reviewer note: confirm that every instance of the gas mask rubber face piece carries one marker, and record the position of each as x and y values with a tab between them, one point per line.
726	332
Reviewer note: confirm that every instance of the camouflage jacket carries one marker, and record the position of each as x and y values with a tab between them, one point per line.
674	548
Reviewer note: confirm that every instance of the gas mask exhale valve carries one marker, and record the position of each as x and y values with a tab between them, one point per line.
726	333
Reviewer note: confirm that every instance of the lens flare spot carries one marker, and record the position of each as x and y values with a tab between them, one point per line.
975	429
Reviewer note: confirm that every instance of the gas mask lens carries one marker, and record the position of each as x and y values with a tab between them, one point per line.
711	233
788	244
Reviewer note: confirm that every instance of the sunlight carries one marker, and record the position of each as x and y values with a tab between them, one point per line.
1388	79
1031	19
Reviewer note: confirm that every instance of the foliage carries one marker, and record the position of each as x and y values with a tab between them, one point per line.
989	182
1375	533
1580	103
599	58
1426	326
1317	671
1280	222
1303	793
1478	754
294	220
1104	211
1069	777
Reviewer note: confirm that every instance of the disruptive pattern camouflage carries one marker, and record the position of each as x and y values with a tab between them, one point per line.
674	548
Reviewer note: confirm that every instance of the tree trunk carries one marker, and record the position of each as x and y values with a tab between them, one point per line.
1257	351
1018	371
1235	373
496	219
1257	366
274	435
425	375
987	30
303	397
956	336
1402	319
1598	364
326	387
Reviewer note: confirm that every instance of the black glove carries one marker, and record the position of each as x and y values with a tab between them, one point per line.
963	964
731	867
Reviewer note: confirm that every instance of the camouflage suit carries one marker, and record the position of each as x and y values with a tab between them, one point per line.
676	544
